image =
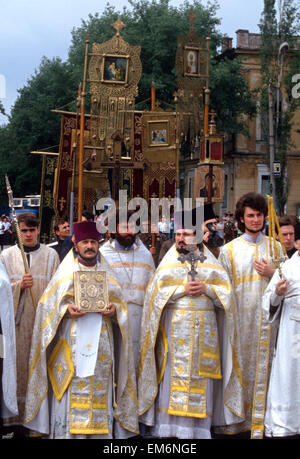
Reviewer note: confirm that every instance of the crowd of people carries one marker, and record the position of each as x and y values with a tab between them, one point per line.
195	339
6	233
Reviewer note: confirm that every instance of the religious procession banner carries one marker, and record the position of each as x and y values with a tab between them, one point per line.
47	205
70	125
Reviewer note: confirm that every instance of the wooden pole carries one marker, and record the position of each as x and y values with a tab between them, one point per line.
81	143
207	91
206	112
153	96
271	143
19	237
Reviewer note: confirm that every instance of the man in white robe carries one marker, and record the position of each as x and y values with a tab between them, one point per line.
88	354
133	266
179	346
282	298
27	289
8	375
248	262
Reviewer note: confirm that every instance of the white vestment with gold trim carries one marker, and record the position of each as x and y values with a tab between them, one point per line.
81	407
283	401
133	269
256	335
9	406
43	262
179	351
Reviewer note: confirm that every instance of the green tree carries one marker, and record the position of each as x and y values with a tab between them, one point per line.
230	96
2	110
32	125
155	26
279	28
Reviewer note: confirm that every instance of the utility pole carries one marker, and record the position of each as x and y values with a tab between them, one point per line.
271	143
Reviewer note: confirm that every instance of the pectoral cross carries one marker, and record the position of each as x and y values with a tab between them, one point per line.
192	258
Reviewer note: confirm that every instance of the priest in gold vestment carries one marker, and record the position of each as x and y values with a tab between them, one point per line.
43	262
88	354
180	345
248	261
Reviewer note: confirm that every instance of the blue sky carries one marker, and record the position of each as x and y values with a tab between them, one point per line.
31	29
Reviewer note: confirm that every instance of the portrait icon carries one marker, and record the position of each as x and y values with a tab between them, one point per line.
191	62
201	183
159	133
115	69
159	136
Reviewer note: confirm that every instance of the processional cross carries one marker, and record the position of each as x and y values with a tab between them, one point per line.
118	25
192	258
278	261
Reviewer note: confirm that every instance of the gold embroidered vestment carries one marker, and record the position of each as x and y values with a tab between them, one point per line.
194	344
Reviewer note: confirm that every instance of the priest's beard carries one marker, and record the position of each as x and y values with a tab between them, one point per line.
182	250
125	241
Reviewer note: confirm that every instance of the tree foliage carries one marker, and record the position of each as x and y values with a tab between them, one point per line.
155	26
2	110
32	125
230	96
279	24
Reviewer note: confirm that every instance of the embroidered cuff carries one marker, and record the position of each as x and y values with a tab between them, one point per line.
178	293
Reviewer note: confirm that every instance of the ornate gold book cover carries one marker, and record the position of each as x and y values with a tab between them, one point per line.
91	293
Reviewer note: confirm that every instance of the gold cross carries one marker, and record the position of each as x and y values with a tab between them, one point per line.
191	303
99	385
81	385
180	370
191	18
61	203
60	368
118	25
181	342
259	398
102	357
89	346
182	312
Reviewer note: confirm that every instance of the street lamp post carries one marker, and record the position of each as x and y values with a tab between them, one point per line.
283	48
273	133
271	142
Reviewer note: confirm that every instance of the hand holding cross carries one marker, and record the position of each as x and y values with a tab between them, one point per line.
192	257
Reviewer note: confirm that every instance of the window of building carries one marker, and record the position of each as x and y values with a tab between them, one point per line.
263	179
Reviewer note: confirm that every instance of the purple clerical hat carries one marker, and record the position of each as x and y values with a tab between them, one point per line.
85	230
